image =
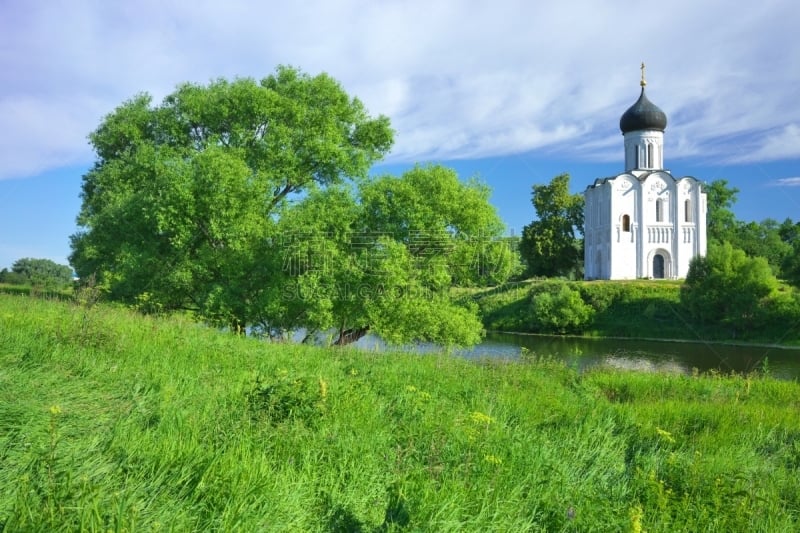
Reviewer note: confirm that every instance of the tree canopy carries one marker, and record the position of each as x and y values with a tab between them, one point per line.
385	261
249	204
790	268
721	222
762	239
41	272
550	245
184	195
768	239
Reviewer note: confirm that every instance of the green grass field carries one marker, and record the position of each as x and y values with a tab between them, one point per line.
110	421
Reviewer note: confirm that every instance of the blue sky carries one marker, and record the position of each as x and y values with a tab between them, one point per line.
512	91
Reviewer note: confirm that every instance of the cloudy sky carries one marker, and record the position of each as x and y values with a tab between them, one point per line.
513	91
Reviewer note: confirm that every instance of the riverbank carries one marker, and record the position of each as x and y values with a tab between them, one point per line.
787	347
110	420
585	354
641	309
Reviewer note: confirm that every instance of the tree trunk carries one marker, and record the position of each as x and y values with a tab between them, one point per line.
351	335
238	327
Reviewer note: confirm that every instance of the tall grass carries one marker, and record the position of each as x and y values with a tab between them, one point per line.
114	421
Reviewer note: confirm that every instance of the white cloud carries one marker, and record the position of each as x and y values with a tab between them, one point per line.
43	134
458	79
787	182
781	144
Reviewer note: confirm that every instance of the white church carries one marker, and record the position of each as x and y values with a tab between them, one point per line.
643	223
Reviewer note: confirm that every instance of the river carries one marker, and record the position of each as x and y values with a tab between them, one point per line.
645	355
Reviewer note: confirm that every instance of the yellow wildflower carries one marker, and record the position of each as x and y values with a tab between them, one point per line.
666	435
480	418
492	459
636	519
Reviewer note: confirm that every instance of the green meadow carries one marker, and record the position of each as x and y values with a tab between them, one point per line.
112	421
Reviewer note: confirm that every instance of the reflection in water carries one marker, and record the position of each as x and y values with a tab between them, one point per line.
642	364
645	355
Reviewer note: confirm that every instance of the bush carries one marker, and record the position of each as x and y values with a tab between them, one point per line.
12	278
287	399
601	295
727	287
505	308
782	309
558	308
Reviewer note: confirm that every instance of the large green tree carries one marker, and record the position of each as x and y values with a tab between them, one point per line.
721	222
384	259
184	197
766	239
249	204
762	239
790	234
550	245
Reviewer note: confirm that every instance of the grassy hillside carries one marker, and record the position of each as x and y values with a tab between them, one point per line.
638	309
112	421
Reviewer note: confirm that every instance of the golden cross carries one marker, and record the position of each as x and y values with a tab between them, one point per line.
642	83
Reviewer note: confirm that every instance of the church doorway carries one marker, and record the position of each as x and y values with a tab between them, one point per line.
658	266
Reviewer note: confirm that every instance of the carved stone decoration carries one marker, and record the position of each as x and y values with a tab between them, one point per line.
623	185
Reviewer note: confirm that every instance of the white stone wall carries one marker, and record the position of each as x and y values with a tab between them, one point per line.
633	217
625	193
644	150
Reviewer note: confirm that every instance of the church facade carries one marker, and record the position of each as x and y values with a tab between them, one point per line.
643	223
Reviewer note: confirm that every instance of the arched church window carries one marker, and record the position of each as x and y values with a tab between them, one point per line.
626	223
687	205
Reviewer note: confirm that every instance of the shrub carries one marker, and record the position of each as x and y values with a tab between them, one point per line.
287	399
12	278
781	309
505	308
558	308
727	287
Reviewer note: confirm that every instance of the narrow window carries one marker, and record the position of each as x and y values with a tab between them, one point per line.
637	157
649	156
659	211
598	272
688	208
658	266
626	223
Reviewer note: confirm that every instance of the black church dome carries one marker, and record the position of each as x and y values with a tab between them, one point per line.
643	115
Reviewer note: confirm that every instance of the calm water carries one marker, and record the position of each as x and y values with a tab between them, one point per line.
680	357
